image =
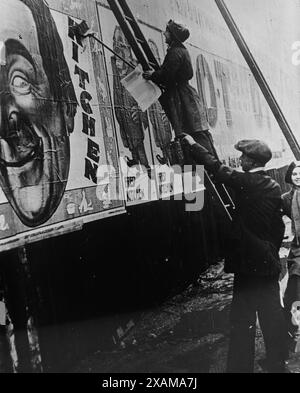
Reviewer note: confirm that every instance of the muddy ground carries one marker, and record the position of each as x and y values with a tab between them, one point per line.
186	334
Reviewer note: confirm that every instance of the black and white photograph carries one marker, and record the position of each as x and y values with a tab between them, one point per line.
149	189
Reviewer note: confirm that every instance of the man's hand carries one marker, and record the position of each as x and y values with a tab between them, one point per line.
147	74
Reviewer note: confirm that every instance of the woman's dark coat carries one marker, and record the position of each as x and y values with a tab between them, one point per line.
180	100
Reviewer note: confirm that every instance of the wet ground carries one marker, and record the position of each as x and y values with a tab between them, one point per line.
187	334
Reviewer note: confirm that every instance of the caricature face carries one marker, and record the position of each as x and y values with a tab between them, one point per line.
296	176
34	141
295	311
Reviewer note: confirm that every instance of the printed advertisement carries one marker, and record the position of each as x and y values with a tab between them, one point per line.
53	145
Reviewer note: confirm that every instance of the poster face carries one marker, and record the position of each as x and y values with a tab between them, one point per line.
55	140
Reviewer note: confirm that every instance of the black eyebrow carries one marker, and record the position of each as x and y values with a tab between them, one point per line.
14	47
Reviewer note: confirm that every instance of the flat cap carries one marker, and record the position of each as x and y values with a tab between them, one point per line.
255	149
179	31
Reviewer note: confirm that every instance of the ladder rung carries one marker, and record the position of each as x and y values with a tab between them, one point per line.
140	40
219	197
135	37
124	24
129	18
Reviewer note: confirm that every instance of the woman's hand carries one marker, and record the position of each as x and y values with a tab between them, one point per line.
186	139
147	74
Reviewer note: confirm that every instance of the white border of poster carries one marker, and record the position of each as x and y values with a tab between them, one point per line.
88	150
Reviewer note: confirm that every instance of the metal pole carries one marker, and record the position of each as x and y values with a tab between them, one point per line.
282	122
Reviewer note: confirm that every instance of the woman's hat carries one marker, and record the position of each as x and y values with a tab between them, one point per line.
179	31
288	175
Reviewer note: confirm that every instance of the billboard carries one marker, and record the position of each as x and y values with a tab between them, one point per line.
55	131
149	168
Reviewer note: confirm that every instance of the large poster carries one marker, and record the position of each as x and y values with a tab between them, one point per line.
144	138
132	125
53	144
236	108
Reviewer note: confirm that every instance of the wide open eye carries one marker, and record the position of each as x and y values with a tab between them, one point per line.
20	84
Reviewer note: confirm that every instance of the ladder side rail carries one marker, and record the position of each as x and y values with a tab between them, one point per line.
139	34
128	34
228	196
131	38
138	37
282	122
212	185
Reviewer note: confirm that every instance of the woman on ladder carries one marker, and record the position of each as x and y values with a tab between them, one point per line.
180	100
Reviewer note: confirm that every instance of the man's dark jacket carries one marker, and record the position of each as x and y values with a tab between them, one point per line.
257	222
287	199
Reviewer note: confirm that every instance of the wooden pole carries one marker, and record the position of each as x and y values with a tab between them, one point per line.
281	120
5	358
26	336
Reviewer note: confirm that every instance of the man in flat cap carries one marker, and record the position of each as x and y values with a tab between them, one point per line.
180	100
253	247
